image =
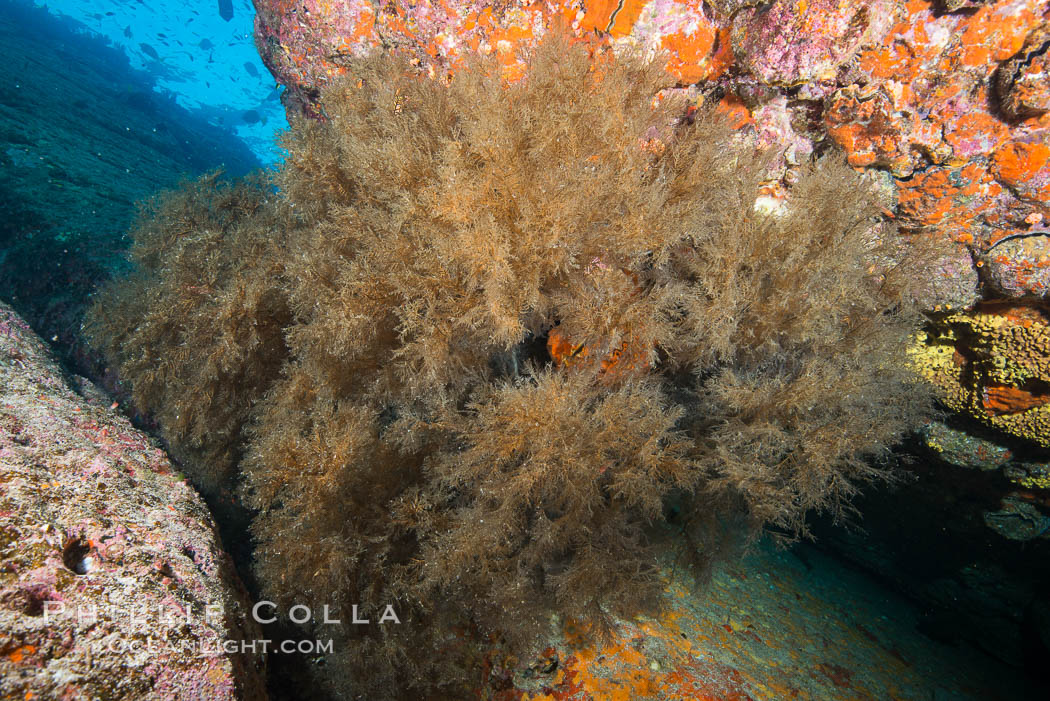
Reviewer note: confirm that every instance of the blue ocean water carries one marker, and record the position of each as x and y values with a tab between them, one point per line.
207	62
89	129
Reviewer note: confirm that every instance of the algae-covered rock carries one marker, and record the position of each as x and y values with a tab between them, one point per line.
1017	519
113	582
993	364
1019	267
789	43
950	96
963	449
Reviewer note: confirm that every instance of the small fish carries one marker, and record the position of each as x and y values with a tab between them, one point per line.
226	9
250	117
127	31
150	51
206	45
251	70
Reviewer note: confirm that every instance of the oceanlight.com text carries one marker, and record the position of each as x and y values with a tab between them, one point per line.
210	648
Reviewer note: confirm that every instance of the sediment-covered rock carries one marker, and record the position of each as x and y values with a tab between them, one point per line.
774	625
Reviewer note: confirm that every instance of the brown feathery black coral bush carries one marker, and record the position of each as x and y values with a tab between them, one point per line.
198	327
492	349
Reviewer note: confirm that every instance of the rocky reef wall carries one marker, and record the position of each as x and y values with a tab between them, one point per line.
944	100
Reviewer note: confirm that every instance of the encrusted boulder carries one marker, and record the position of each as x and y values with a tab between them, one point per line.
964	449
1020	266
113	582
993	364
307	42
922	104
1018	519
1023	81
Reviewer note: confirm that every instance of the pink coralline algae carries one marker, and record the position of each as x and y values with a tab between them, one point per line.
791	42
113	583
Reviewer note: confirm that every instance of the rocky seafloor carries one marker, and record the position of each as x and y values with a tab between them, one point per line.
775	625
